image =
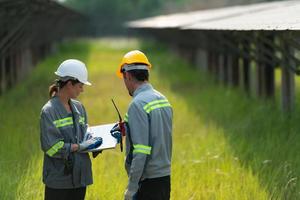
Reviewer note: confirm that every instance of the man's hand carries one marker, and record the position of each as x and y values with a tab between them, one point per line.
129	195
116	133
74	147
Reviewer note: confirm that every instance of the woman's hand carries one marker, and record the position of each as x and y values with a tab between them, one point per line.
74	147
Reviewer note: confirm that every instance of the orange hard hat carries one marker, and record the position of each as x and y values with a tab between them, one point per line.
133	57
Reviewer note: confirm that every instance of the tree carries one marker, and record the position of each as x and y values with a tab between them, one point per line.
108	17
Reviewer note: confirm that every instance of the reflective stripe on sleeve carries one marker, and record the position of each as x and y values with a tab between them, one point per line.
126	118
63	122
156	104
55	148
139	148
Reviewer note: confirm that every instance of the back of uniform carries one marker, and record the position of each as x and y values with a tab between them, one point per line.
149	136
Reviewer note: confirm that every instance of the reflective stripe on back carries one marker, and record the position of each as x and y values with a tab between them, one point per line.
156	104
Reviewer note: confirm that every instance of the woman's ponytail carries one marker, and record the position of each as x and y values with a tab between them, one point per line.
58	84
53	89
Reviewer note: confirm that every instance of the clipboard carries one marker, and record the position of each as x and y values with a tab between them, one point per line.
103	131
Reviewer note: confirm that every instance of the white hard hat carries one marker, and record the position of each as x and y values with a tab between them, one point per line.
75	69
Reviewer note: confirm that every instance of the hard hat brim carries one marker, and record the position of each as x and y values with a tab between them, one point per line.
84	82
119	74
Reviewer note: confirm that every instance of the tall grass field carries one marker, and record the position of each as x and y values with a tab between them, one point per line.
226	145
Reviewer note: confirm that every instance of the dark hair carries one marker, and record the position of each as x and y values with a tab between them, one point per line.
58	84
140	75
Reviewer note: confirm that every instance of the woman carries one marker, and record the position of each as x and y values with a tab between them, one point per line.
67	170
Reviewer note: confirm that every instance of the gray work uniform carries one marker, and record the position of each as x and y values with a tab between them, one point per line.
149	136
59	129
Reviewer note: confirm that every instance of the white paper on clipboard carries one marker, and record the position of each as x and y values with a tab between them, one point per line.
103	131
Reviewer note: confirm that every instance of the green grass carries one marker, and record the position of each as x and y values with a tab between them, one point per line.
254	133
226	145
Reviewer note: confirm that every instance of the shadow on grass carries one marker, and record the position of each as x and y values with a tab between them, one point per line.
260	135
19	120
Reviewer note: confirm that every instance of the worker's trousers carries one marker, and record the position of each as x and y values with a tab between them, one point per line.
65	194
154	189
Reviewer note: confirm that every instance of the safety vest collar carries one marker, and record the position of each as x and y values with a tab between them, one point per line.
141	88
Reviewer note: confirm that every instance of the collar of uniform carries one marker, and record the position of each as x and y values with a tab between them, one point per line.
141	88
73	108
60	105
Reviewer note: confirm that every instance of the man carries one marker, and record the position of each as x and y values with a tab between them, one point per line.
148	130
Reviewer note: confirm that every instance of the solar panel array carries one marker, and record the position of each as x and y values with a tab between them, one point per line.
230	41
28	29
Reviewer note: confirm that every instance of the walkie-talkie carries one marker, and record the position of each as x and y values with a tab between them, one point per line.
121	125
